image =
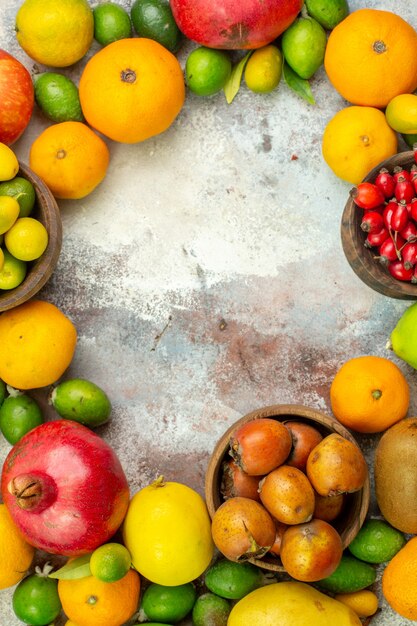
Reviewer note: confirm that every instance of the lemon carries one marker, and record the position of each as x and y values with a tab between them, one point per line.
27	239
13	272
57	97
167	530
111	23
401	113
24	192
110	562
16	554
9	212
264	69
9	165
56	33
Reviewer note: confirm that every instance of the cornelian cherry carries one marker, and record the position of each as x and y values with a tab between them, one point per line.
386	183
367	196
398	271
399	218
372	222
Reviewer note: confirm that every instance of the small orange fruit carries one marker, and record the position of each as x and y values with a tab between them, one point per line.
37	343
15	553
71	158
399	581
132	89
91	602
369	394
355	140
371	57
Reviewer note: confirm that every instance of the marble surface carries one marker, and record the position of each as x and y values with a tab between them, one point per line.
206	277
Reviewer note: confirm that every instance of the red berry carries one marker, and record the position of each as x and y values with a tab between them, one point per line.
399	218
413	209
409	233
367	196
388	251
414	276
386	183
376	239
388	211
409	255
404	190
413	173
400	172
372	222
398	271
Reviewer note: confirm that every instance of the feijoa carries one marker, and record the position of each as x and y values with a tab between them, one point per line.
82	401
350	575
211	610
18	415
304	45
232	580
376	542
328	13
153	19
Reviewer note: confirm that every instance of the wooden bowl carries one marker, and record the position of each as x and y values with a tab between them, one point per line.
356	505
46	211
361	258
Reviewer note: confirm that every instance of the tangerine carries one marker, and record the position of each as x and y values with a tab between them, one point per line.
71	158
371	57
132	89
369	394
398	581
15	553
89	601
37	343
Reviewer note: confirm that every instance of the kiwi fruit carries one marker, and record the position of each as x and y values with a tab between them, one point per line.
395	472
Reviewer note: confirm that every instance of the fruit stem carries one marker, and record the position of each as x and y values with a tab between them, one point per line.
159	482
376	394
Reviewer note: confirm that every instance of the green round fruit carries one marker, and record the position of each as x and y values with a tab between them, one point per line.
264	69
232	580
81	401
18	415
13	271
410	139
57	97
211	610
36	601
328	13
111	23
153	19
207	70
303	46
23	191
377	542
350	575
168	604
404	336
110	562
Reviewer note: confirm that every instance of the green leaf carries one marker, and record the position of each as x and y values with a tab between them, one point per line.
301	86
78	568
233	84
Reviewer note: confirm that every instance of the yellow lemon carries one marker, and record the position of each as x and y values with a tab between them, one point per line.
56	33
9	212
401	113
355	140
16	554
9	165
167	531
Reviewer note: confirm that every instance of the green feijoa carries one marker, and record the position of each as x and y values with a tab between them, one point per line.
168	604
153	19
57	97
3	391
211	610
350	575
36	601
304	45
231	580
82	401
376	542
111	23
328	13
18	415
23	191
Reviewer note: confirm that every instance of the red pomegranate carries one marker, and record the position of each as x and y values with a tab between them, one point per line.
64	488
235	25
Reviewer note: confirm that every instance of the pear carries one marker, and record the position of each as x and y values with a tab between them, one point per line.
403	339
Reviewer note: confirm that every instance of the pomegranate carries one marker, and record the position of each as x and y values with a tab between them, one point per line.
64	488
246	24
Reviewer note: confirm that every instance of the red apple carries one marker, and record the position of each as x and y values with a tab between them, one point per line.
234	25
64	488
16	98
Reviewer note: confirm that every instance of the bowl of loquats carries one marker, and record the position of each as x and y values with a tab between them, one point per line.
35	236
379	227
287	488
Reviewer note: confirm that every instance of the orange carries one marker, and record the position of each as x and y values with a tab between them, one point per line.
355	140
16	555
399	581
71	158
37	344
90	602
132	89
371	56
369	394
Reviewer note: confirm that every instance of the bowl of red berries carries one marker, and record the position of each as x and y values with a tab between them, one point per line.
379	227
